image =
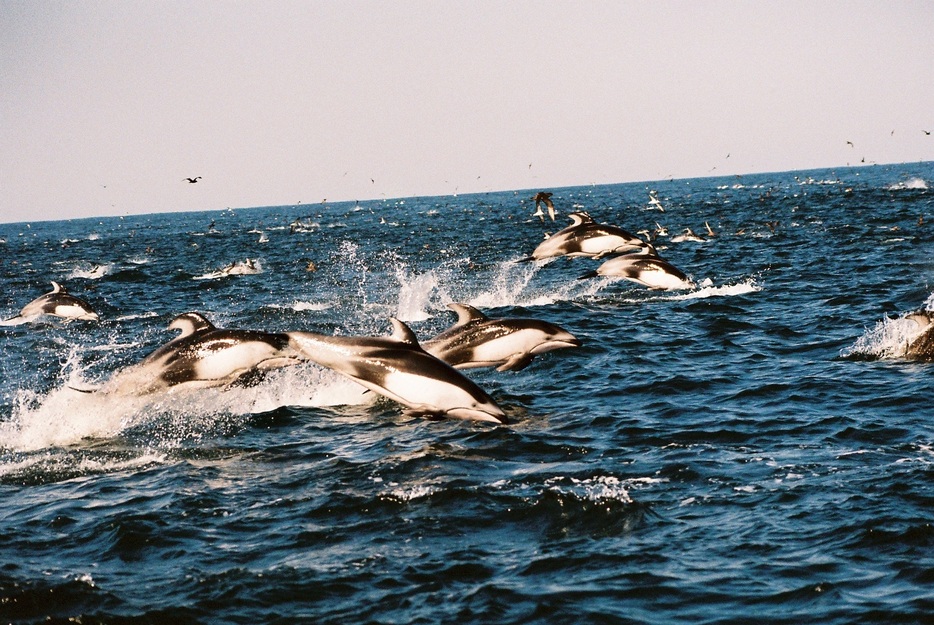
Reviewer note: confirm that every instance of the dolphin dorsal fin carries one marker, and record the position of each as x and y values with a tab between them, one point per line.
579	218
189	323
466	314
57	288
402	332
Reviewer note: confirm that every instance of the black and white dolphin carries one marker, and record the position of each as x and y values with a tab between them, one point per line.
204	356
475	340
398	368
922	346
59	303
585	237
644	267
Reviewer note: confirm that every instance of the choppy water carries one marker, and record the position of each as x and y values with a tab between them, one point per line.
753	450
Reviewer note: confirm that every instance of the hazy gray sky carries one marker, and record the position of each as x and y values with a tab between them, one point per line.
105	107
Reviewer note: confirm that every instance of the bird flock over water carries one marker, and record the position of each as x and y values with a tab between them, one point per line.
423	376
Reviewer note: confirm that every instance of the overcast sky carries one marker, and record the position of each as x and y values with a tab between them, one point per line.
105	107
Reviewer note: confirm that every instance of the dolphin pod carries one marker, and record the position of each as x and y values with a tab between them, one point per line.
204	356
422	377
632	258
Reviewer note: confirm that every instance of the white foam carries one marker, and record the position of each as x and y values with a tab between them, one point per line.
66	416
598	489
911	183
90	272
727	290
888	339
415	294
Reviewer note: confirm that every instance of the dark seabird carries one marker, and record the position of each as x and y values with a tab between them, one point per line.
193	180
543	197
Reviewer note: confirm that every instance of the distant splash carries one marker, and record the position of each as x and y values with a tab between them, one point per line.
250	266
89	271
914	183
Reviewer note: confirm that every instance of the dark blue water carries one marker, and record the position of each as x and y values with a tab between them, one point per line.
753	450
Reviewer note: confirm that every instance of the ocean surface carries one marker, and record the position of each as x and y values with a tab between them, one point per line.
754	449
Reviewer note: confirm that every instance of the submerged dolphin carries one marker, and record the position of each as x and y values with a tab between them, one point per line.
203	356
59	303
645	267
585	237
475	340
922	347
398	368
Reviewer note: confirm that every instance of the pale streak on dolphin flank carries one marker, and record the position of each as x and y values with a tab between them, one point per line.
203	356
398	368
475	340
59	303
585	237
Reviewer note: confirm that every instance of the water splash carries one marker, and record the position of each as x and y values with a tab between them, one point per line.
89	271
66	416
727	290
415	294
888	339
911	183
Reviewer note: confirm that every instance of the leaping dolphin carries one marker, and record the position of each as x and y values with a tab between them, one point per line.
475	340
59	303
398	368
203	356
585	237
645	267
